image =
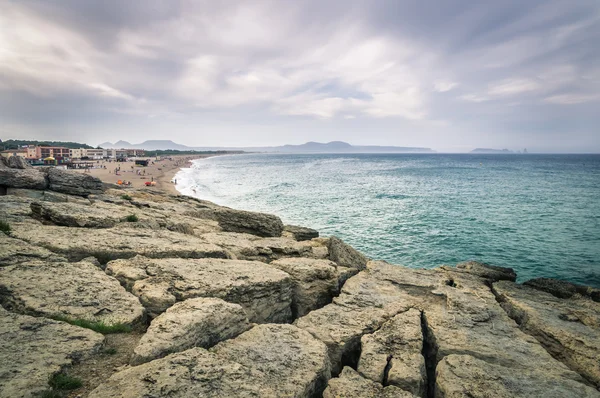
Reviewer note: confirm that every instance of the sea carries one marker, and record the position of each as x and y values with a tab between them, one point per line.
538	214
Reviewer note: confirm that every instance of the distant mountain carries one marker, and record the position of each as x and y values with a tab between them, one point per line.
489	150
309	147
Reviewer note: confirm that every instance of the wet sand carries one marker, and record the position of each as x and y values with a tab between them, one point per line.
161	171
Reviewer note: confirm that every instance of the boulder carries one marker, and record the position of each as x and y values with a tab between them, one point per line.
462	375
350	384
73	183
301	233
197	322
294	363
192	373
393	354
563	289
316	282
23	178
264	292
487	271
249	222
15	251
109	244
568	328
17	162
33	349
68	290
345	255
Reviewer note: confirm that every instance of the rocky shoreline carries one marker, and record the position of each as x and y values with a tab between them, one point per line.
216	302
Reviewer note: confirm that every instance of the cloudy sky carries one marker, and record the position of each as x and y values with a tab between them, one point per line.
451	75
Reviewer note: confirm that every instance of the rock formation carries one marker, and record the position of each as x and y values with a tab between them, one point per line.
233	304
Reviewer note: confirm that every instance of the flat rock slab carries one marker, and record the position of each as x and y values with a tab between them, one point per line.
231	220
466	376
294	363
110	244
23	178
300	233
32	349
15	251
197	322
264	292
350	384
95	215
487	271
316	281
393	354
568	328
71	290
267	361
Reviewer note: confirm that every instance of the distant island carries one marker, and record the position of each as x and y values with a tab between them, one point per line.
309	147
489	150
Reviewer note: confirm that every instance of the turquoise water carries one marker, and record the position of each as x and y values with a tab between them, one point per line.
539	214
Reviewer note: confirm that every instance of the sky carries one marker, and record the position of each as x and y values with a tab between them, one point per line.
450	75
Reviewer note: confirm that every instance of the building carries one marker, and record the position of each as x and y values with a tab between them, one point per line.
57	152
96	153
32	152
14	152
78	153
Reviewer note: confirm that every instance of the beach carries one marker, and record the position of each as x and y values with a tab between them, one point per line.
160	170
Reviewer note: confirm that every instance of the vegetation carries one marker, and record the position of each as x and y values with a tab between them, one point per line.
14	144
132	218
62	381
125	197
96	326
110	351
5	227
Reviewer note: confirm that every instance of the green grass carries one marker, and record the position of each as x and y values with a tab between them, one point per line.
126	197
5	227
131	218
96	326
110	351
61	381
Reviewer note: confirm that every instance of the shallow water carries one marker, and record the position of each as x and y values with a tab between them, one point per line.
539	214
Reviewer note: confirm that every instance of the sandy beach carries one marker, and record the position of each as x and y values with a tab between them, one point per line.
162	171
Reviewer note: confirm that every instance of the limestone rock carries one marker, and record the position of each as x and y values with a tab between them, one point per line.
563	289
316	282
23	178
294	363
71	290
192	373
17	162
467	376
487	271
345	255
75	215
32	349
110	244
350	384
301	233
251	247
15	251
249	222
73	183
568	328
197	322
26	193
392	355
264	292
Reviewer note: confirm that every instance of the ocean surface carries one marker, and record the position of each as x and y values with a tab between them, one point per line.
539	214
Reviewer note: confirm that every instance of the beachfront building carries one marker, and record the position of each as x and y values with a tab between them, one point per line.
96	153
57	152
78	153
31	152
14	152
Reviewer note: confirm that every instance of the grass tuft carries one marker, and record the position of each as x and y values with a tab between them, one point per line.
96	326
125	197
5	227
131	218
61	381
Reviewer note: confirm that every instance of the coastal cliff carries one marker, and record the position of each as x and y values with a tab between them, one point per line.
137	293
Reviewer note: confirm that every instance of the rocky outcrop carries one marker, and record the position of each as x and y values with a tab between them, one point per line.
249	222
26	178
563	289
350	384
264	292
76	291
294	363
32	349
109	244
73	183
316	282
345	255
300	233
17	162
15	251
198	322
393	354
487	271
267	361
70	215
568	328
